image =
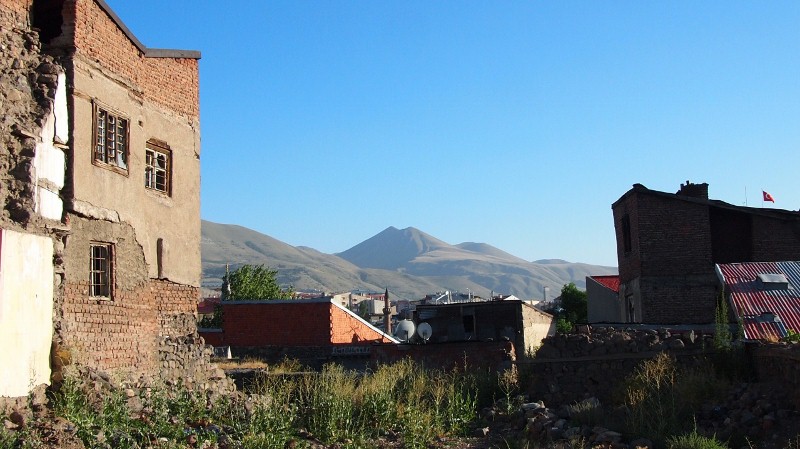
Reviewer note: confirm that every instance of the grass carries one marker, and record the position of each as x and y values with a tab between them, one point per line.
660	399
694	441
335	407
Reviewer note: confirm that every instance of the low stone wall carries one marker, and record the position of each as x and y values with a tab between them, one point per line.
572	367
779	364
498	355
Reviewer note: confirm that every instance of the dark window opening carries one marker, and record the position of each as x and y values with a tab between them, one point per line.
626	232
469	324
47	18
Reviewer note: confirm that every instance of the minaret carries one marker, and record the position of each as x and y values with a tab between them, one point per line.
387	312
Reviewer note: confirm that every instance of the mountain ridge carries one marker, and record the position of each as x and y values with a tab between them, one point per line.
408	261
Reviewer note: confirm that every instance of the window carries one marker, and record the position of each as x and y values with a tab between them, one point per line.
110	139
158	161
100	270
626	233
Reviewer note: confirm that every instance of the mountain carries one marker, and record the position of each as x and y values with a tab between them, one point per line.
410	262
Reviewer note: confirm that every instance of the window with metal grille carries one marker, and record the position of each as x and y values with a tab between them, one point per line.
110	139
158	159
100	270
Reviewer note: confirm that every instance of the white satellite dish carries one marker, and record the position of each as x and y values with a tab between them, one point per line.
424	331
404	331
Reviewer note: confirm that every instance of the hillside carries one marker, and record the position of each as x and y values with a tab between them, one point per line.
410	262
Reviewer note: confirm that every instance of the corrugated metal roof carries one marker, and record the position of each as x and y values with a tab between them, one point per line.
753	304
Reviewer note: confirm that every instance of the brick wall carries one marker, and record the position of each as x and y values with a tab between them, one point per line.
292	323
172	83
775	239
122	334
689	299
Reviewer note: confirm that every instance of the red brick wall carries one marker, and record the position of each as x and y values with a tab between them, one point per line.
292	323
347	330
170	82
18	9
122	334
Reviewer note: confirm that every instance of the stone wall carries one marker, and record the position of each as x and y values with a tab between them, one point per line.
779	364
570	368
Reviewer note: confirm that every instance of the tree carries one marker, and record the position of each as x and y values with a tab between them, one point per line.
255	282
573	304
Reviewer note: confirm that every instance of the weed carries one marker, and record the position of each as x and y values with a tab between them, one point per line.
694	440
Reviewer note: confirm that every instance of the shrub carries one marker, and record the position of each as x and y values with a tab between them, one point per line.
660	399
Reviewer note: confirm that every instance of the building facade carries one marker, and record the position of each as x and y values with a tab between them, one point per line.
667	245
107	169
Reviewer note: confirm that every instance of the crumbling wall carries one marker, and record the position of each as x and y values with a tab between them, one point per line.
572	367
146	328
31	174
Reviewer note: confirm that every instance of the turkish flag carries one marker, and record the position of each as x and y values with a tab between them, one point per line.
768	197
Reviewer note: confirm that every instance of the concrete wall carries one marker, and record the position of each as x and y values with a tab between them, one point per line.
603	304
26	311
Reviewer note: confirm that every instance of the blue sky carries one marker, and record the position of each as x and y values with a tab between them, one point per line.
510	123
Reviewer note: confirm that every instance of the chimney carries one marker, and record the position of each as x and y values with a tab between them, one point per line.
694	190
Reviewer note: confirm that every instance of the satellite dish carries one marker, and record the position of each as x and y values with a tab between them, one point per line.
404	331
424	331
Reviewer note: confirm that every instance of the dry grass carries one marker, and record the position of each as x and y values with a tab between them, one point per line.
245	363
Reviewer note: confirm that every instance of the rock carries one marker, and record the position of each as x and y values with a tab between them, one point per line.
533	406
17	418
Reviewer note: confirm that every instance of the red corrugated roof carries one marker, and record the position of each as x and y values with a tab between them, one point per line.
610	282
753	304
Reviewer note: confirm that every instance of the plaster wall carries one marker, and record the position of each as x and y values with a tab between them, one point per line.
536	326
50	160
101	193
26	311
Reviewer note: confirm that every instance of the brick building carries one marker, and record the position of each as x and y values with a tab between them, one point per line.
667	245
313	331
103	163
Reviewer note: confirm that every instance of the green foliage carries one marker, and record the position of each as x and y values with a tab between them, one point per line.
791	337
573	304
722	331
694	440
214	321
563	326
253	282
